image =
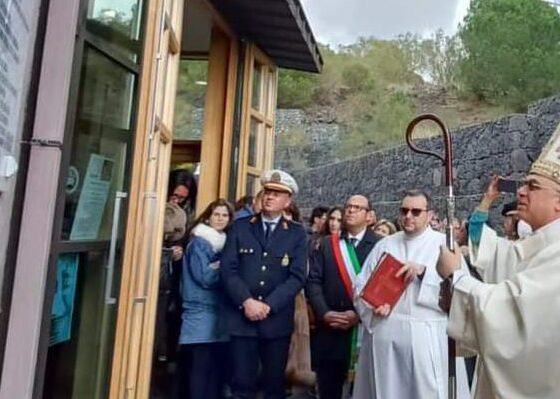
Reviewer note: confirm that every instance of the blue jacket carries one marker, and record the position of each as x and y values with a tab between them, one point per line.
203	297
271	271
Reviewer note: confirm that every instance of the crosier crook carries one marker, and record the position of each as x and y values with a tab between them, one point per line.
447	162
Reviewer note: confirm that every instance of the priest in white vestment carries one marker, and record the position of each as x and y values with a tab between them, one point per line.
514	324
404	350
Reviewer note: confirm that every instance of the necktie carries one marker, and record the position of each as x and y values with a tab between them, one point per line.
353	241
268	229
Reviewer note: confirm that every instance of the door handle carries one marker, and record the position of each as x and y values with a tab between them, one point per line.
109	299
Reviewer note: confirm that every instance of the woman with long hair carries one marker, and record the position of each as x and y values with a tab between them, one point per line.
182	190
333	225
203	328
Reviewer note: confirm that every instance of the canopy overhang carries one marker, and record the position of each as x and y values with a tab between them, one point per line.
279	27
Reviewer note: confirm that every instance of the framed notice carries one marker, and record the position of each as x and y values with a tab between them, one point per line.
64	296
93	198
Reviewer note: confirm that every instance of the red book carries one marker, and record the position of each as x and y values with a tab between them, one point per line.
382	286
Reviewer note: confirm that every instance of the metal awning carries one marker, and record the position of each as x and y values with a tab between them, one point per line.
278	27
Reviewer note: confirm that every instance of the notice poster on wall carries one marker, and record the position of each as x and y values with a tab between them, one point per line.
93	198
64	295
18	21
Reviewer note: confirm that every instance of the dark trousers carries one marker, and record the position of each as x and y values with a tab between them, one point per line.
246	352
331	375
203	370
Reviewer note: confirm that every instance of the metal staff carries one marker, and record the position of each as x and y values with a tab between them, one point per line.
447	162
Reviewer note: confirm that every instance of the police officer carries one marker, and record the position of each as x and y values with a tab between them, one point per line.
263	268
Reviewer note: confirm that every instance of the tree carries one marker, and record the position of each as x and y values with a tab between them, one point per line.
295	88
512	51
191	93
435	58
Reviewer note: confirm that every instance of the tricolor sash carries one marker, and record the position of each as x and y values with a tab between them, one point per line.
348	267
346	262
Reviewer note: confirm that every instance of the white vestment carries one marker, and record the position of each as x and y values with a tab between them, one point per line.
514	325
404	356
495	258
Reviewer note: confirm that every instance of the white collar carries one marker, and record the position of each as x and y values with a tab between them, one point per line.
267	220
553	226
358	236
216	239
427	230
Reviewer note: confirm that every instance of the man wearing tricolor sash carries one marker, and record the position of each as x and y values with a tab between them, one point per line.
404	349
334	266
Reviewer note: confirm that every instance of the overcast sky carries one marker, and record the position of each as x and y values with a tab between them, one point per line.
343	21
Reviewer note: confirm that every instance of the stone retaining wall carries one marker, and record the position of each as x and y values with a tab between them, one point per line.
506	147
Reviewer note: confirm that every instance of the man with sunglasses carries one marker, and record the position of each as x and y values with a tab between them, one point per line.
513	324
404	350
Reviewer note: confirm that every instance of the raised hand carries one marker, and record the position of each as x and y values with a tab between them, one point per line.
448	261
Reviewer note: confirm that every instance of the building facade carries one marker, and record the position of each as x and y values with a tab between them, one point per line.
88	127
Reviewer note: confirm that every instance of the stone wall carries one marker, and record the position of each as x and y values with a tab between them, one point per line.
321	130
506	147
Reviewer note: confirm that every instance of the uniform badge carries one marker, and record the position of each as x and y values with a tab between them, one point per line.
285	260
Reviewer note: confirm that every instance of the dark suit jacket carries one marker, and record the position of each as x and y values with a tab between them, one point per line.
272	271
325	292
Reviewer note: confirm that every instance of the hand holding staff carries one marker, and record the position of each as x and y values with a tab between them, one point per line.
447	163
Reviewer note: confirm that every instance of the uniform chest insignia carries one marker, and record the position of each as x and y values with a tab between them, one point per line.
285	260
246	250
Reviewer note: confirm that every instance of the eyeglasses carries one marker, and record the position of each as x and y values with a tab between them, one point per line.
354	207
534	185
415	211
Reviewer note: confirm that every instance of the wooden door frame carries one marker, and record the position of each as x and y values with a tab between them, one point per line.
125	373
219	105
132	359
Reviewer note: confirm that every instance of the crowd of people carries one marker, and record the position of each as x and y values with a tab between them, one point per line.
254	299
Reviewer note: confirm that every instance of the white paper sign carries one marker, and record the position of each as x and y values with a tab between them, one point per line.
93	198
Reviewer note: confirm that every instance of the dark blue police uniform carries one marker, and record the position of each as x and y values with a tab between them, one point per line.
273	271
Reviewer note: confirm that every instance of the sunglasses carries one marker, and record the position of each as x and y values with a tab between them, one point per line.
415	211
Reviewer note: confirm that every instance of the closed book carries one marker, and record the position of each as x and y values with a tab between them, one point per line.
383	287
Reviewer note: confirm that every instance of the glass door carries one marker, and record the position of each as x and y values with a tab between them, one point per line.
258	131
97	164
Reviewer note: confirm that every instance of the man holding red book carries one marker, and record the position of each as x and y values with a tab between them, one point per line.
404	347
333	269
